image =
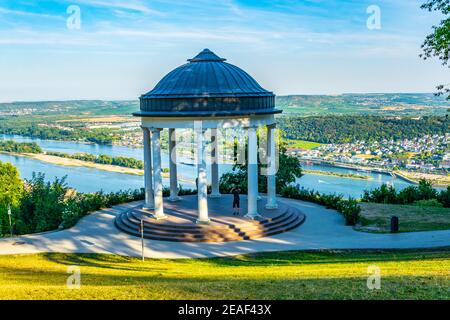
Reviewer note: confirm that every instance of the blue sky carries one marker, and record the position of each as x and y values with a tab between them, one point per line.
291	47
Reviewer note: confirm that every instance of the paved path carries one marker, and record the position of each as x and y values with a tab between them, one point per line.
323	229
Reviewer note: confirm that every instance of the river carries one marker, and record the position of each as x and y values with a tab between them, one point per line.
91	180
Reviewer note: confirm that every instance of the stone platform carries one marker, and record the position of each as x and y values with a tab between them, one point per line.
181	226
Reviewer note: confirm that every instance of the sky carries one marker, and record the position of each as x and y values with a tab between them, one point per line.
120	49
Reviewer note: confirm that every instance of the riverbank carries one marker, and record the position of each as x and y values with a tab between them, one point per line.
348	166
60	161
86	164
337	174
437	180
80	163
414	177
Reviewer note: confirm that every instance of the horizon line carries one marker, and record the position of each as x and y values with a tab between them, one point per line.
283	95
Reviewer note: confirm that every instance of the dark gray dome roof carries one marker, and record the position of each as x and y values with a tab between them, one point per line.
207	86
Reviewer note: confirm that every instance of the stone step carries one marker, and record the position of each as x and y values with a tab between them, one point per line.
178	238
130	223
213	233
149	222
242	229
183	236
250	230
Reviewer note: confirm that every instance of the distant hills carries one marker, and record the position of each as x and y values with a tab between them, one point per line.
395	104
75	107
392	104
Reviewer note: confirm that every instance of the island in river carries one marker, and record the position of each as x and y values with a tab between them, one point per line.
61	161
338	174
80	163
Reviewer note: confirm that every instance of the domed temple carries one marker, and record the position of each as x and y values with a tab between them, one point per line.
206	94
207	87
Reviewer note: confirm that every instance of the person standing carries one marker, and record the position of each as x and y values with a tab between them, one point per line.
236	200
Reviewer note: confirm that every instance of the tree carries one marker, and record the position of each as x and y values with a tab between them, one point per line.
11	188
42	205
437	44
289	169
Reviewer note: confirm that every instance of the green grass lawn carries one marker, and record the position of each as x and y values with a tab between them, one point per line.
281	275
376	217
301	144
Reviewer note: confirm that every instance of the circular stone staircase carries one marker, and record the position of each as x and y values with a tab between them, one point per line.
180	224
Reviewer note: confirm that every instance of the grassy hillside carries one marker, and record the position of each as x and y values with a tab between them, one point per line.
301	144
286	275
376	217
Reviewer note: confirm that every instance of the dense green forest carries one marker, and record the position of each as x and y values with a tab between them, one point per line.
342	129
19	147
323	129
32	127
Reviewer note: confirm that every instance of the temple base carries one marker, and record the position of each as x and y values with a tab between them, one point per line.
202	221
271	206
253	216
161	217
182	224
215	195
174	199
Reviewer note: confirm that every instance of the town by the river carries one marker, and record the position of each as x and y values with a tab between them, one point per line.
90	180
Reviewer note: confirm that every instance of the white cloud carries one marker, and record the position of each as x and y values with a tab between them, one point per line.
137	6
6	11
31	37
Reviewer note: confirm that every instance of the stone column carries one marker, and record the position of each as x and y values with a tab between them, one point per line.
148	180
215	193
158	186
173	166
271	169
252	162
202	179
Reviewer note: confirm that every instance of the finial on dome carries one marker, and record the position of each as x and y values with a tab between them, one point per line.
206	55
